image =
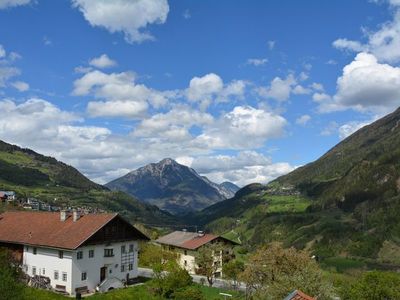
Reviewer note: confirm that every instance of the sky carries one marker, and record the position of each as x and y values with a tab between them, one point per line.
241	91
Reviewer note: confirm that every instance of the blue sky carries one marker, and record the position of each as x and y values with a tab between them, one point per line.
243	91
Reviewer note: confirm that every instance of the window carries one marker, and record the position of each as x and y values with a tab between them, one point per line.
131	248
34	250
55	275
43	271
123	249
130	267
33	271
83	276
60	254
122	268
91	253
64	276
79	255
108	252
185	252
185	262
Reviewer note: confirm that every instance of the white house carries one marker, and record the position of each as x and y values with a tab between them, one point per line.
76	253
187	244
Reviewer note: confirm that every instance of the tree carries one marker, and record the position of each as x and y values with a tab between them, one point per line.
10	288
232	269
151	255
273	272
169	278
208	260
373	285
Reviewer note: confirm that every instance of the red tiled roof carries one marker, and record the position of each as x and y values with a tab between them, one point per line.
187	240
46	228
298	295
198	241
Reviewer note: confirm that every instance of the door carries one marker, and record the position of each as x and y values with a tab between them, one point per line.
103	271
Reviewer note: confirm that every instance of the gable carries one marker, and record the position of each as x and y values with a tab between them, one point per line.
117	230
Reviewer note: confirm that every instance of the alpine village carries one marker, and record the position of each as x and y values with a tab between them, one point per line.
200	150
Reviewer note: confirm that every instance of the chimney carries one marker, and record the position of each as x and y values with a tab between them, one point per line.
76	215
63	215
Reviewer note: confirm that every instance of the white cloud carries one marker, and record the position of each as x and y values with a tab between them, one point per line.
47	41
384	43
244	127
351	127
271	45
103	61
2	51
176	123
300	90
257	61
13	3
279	89
6	73
321	97
303	120
330	129
365	85
20	86
120	95
204	90
129	17
243	168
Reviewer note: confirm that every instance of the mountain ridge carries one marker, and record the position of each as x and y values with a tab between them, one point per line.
171	186
31	174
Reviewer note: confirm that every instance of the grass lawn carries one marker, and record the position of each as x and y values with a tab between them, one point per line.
137	292
342	264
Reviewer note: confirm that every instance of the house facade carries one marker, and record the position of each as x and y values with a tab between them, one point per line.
187	244
75	253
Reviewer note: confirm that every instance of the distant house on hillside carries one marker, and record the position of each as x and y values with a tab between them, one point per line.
298	295
186	245
7	195
75	253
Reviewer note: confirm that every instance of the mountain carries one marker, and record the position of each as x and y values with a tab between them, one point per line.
172	187
30	174
344	207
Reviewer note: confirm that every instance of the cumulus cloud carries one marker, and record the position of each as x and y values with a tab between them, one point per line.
204	90
103	61
279	89
20	86
257	61
243	168
7	70
351	127
120	95
243	127
173	125
303	120
365	85
384	43
13	3
126	16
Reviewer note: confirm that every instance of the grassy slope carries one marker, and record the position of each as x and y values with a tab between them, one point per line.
136	292
33	175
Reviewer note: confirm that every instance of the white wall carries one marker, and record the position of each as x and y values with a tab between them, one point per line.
47	260
92	265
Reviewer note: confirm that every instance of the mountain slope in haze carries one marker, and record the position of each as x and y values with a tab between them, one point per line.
34	175
171	186
345	204
365	166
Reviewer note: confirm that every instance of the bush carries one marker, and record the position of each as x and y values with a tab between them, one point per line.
373	285
189	293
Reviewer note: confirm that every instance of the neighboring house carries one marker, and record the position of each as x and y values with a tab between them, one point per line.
186	245
298	295
7	195
77	253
